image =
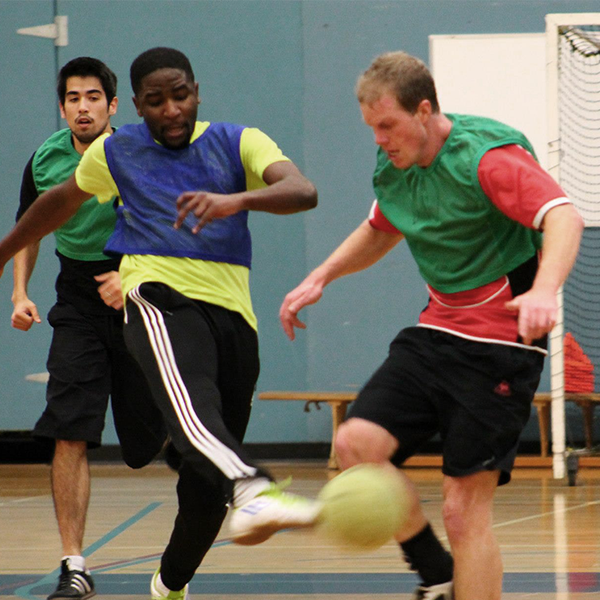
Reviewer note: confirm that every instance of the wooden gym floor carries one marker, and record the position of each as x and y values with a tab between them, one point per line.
549	534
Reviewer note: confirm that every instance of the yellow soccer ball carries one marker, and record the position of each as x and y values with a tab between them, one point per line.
363	507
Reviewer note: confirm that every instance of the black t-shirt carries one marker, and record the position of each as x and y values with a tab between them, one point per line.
75	283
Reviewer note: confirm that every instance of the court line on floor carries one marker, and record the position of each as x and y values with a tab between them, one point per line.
322	584
546	514
18	501
538	516
140	560
25	591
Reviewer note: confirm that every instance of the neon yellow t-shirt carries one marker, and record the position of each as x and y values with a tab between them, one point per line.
218	283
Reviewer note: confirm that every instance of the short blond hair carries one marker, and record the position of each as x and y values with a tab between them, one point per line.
404	76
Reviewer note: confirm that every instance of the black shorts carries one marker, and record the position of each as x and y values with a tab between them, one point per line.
88	362
476	395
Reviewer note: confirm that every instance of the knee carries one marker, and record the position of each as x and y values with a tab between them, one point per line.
72	448
455	522
467	513
359	441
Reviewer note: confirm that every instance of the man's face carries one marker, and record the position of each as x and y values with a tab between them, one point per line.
86	109
168	102
400	134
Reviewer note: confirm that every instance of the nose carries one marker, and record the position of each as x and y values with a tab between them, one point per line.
172	108
380	138
83	106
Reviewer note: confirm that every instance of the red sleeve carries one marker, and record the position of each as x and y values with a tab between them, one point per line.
378	220
512	179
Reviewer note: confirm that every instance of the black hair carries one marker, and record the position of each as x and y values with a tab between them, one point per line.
85	66
158	58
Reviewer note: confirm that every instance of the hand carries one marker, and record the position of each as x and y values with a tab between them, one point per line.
110	289
206	206
306	293
538	312
24	315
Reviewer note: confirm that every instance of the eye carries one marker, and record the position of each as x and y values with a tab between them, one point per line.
153	100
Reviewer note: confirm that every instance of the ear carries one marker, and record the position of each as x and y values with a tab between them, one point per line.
62	110
137	106
112	107
424	111
197	90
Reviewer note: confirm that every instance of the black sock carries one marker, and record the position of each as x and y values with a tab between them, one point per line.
426	555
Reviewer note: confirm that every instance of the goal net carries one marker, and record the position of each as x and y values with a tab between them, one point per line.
573	59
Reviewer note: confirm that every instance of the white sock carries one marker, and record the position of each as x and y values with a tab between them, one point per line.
246	489
75	563
161	588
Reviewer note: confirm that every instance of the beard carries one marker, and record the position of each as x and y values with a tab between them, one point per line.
86	137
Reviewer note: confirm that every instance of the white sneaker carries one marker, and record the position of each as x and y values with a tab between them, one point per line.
157	595
442	591
270	511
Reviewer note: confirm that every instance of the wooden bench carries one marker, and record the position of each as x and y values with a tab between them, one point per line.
543	401
338	402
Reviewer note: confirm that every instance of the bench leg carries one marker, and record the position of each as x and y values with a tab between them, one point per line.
338	412
543	411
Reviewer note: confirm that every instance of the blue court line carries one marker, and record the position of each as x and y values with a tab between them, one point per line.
25	590
317	584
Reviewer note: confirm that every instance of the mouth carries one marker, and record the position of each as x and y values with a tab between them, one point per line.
175	135
83	121
396	158
175	132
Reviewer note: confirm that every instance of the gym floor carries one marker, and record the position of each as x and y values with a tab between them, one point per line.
549	533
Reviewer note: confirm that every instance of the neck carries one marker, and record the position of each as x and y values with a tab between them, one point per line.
80	147
439	127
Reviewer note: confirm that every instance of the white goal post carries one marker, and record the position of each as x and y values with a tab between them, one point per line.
573	112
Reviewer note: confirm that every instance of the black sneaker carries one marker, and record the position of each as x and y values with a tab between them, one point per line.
442	591
75	585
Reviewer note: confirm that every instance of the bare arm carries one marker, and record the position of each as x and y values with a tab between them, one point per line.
361	249
53	208
25	311
287	191
538	308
